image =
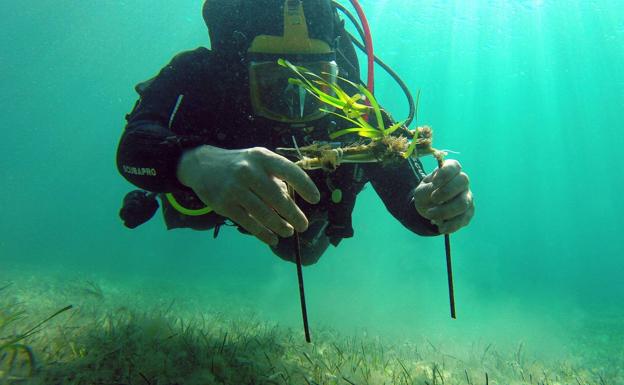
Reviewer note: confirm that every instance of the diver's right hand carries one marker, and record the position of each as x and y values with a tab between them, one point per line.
249	187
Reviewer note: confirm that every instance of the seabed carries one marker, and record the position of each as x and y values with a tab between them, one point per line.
121	335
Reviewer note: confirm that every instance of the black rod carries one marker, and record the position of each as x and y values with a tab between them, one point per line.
304	311
449	266
449	271
297	249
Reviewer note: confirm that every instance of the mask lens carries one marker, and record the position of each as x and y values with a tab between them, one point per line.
273	97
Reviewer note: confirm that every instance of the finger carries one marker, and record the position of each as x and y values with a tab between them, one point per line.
451	209
293	175
422	194
265	215
429	177
282	185
272	192
450	168
242	217
454	224
450	190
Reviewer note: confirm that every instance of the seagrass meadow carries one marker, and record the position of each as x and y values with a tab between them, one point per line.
530	94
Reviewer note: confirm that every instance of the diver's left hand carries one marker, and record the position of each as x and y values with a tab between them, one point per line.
444	197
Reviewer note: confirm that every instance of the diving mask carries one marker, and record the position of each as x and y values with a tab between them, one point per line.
275	98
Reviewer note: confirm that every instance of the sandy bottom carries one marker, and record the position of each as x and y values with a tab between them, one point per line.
140	334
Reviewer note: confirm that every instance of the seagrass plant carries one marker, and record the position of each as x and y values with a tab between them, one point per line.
14	353
380	143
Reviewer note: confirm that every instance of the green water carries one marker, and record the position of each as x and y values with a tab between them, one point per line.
531	93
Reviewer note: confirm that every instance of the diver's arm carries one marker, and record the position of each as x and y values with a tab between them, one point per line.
148	155
395	185
149	151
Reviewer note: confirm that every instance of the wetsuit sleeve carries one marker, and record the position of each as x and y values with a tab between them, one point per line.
395	185
148	152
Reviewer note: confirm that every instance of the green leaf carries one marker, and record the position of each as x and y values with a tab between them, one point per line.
348	81
323	97
308	85
297	70
393	128
412	147
339	92
32	330
375	105
4	321
376	134
416	108
358	130
342	117
352	110
362	122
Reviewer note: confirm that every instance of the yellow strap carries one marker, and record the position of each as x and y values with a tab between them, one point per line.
295	40
183	210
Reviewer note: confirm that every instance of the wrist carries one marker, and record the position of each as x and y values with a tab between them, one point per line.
188	164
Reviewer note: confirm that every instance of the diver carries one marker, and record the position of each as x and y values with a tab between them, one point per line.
202	137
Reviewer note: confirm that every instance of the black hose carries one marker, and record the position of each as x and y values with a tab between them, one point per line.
351	17
382	64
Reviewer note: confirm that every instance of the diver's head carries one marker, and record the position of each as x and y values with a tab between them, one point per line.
259	32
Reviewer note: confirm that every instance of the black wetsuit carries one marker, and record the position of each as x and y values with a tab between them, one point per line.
200	99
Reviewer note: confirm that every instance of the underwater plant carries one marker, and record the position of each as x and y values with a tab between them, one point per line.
13	352
182	336
383	144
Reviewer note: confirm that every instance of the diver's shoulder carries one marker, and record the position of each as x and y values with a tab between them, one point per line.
200	55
